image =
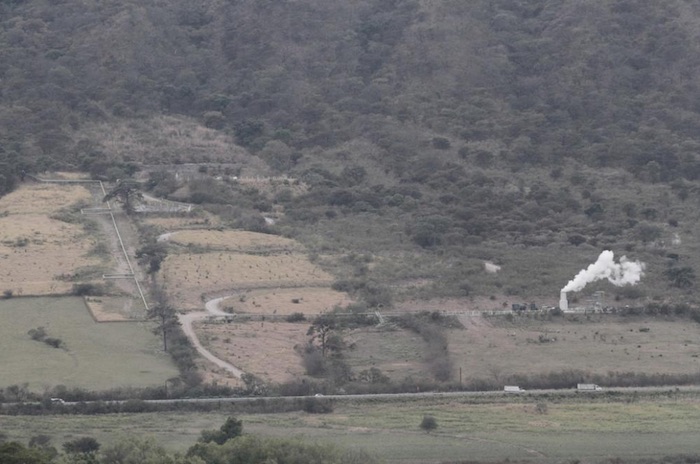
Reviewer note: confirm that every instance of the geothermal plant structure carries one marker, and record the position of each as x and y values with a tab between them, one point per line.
563	302
625	272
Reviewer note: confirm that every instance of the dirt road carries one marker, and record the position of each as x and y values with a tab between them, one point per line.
187	320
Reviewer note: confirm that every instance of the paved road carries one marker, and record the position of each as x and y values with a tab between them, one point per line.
455	394
533	395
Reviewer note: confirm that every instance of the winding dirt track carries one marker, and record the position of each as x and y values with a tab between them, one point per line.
187	320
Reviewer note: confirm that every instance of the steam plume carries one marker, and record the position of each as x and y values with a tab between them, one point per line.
623	273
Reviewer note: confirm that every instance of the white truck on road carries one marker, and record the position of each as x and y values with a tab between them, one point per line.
588	387
513	389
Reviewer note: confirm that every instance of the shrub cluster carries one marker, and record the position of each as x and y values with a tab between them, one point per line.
88	289
39	334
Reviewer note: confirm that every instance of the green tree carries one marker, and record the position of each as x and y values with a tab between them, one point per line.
163	313
82	445
321	330
16	453
232	428
647	232
250	449
372	375
429	423
247	131
152	255
135	450
680	277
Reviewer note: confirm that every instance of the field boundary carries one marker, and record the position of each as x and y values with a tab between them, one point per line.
109	210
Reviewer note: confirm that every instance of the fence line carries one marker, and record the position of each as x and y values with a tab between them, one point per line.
98	210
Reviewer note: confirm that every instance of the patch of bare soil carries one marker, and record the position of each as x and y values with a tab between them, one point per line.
115	308
442	304
264	349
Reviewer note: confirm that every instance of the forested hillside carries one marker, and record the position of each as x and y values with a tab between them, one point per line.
430	135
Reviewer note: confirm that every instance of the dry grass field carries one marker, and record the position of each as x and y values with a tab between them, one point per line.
183	221
36	250
43	199
189	276
284	301
234	240
265	349
258	273
168	140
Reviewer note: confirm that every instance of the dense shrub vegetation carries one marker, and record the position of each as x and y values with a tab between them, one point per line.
228	445
432	131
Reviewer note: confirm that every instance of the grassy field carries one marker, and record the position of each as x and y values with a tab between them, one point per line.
96	356
495	348
505	429
397	353
596	344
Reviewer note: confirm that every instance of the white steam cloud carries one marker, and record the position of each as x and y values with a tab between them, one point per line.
625	272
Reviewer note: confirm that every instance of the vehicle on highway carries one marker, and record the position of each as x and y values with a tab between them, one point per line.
513	389
588	387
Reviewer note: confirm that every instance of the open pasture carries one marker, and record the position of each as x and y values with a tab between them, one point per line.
490	348
38	253
494	431
93	356
189	276
397	353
